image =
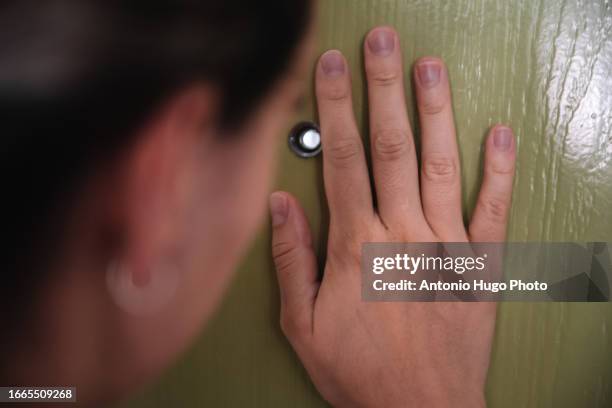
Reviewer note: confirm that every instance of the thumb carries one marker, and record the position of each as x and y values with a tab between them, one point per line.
295	262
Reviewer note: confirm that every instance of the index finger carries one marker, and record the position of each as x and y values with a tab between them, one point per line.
345	171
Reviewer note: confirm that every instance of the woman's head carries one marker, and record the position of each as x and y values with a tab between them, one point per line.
138	146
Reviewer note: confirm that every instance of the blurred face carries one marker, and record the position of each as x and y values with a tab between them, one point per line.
221	197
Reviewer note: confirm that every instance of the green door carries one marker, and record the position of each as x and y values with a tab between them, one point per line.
543	66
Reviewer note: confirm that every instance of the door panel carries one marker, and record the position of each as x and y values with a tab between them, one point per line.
543	66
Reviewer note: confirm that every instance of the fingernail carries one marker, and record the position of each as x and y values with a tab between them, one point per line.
278	209
381	42
332	63
428	73
502	139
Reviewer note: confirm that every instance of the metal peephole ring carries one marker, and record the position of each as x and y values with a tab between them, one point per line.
305	139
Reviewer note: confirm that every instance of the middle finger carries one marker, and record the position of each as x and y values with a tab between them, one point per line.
393	154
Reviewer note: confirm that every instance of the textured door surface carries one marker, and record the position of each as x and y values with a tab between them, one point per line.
543	66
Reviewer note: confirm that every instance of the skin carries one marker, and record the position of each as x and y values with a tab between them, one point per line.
181	204
394	354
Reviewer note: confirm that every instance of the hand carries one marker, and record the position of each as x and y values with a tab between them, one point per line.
394	354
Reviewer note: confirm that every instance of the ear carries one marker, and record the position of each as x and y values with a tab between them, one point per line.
156	178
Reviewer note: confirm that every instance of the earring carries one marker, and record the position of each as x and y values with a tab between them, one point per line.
142	300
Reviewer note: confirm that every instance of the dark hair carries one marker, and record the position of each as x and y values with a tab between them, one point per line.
76	76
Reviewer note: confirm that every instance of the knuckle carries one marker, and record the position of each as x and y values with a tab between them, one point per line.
284	255
432	105
384	78
344	247
390	144
440	169
495	209
501	168
336	92
345	254
344	151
